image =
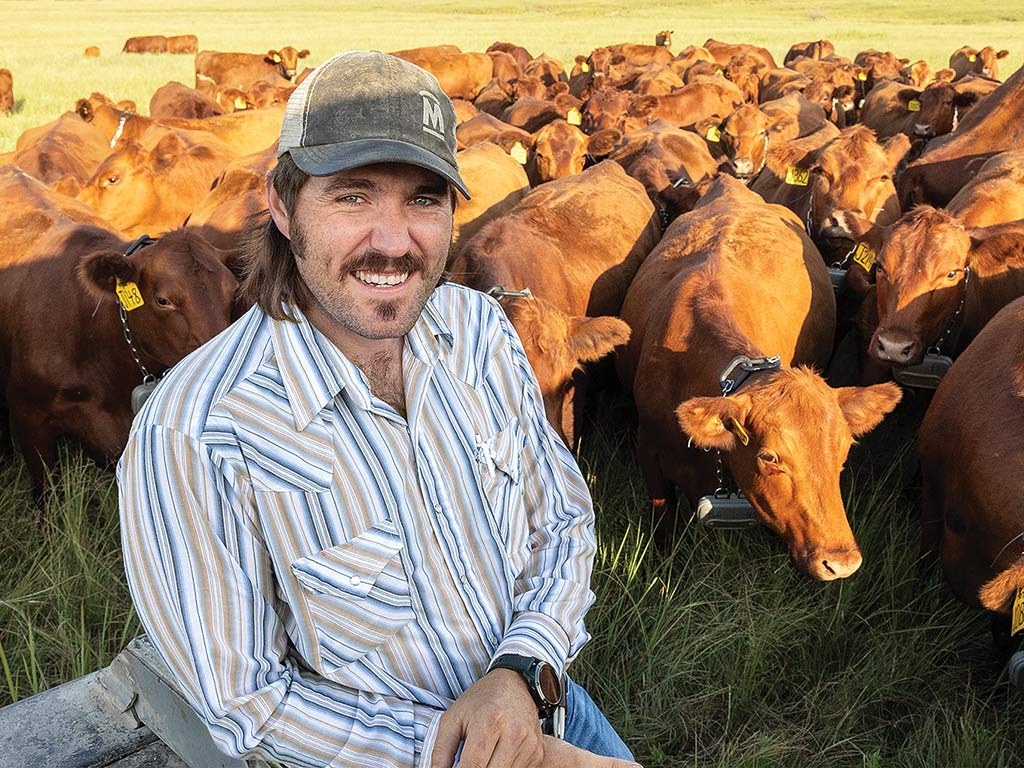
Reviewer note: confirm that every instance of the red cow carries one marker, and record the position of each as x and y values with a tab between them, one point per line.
241	70
65	149
575	243
6	91
739	277
985	62
995	195
182	44
496	183
145	44
73	375
995	124
722	52
461	75
176	100
91	52
817	49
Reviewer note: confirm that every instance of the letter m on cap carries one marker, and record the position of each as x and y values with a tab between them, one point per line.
433	118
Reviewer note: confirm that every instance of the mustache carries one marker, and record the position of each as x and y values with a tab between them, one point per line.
375	261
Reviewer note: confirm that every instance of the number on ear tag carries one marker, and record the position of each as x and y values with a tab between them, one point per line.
518	153
129	295
797	177
714	133
574	117
864	256
584	67
1017	616
913	105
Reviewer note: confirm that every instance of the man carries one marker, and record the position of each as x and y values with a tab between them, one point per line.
347	526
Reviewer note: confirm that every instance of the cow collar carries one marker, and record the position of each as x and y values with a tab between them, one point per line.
147	377
500	292
125	117
739	369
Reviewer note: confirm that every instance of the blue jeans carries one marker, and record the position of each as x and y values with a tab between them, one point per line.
587	728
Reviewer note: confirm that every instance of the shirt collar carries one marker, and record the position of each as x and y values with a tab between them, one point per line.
313	370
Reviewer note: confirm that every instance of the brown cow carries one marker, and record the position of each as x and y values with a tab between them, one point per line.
938	282
560	149
91	52
664	38
496	182
532	114
995	195
73	375
965	60
667	161
520	54
461	75
486	127
152	186
176	100
505	68
495	97
65	149
793	116
972	466
722	52
241	70
6	91
817	49
182	44
145	44
936	110
575	243
739	277
995	124
547	69
685	107
851	174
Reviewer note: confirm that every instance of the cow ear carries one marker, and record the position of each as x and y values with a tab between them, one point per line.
991	244
127	105
272	57
863	230
99	270
166	152
508	139
604	142
965	99
907	95
304	53
945	75
705	420
591	338
896	148
559	89
997	594
1002	54
865	407
83	108
642	106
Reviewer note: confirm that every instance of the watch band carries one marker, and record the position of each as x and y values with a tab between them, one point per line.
538	676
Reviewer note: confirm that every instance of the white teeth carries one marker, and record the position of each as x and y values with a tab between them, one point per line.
372	278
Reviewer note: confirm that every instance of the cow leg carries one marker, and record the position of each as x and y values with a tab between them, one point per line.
38	445
931	516
660	490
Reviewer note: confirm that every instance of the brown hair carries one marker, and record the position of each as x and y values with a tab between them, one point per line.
270	277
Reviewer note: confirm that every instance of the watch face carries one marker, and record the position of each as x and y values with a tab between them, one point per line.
549	685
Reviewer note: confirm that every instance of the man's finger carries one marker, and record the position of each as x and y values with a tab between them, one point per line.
446	745
515	749
478	747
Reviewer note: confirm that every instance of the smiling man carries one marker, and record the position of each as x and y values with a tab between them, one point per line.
347	526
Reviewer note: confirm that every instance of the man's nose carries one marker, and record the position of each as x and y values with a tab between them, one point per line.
390	231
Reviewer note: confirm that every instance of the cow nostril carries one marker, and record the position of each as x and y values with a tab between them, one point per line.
828	567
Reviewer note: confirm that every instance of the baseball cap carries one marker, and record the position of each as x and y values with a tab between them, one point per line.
365	107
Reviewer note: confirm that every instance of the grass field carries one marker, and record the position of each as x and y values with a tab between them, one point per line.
714	654
42	42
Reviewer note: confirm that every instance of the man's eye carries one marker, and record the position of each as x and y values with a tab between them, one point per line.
424	201
350	199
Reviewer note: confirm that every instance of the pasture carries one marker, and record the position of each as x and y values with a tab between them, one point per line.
716	653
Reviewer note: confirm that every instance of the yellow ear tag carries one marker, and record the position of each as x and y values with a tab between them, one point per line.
864	256
862	75
240	103
518	153
739	431
1017	614
714	133
574	117
719	72
584	67
972	58
796	177
129	295
913	105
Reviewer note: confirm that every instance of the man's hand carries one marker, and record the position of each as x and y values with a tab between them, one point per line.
497	721
562	754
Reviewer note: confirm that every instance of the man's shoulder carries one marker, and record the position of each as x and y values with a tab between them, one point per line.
190	390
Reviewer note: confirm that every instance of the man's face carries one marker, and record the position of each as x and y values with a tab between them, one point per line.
370	244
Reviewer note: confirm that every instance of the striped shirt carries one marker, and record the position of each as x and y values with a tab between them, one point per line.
323	576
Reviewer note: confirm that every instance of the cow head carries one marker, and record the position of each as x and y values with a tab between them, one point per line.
664	38
743	71
853	176
984	62
561	150
920	277
742	138
938	109
786	436
606	108
287	60
185	287
557	346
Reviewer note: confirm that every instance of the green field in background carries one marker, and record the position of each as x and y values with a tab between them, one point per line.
42	42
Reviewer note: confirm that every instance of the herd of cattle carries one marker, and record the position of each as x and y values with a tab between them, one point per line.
716	221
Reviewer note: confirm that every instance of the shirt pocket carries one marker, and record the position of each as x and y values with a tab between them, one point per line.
357	594
499	460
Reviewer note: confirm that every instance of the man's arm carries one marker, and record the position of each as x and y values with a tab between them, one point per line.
203	584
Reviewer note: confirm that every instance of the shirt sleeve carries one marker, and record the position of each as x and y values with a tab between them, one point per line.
553	593
203	584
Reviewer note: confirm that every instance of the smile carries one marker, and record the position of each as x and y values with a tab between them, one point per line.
377	279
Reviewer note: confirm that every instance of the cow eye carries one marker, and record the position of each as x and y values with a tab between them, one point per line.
113	179
952	274
768	457
163	301
884	177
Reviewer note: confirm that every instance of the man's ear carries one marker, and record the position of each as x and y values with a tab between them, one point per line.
277	210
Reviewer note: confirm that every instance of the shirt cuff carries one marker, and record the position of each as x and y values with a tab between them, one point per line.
428	741
538	635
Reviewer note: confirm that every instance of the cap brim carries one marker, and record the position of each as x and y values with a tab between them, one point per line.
325	159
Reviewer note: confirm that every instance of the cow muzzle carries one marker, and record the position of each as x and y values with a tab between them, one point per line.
831	565
924	131
895	347
744	167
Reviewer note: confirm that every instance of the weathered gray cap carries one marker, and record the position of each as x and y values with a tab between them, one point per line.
365	107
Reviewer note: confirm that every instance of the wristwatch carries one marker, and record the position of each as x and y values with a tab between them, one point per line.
541	678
